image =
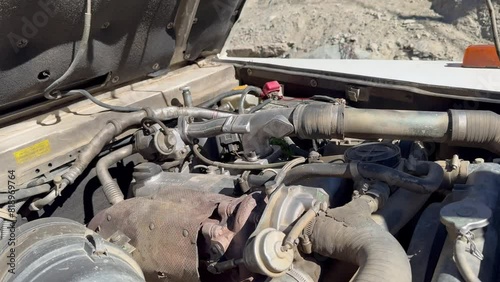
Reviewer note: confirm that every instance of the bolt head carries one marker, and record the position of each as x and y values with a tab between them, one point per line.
105	25
185	88
22	43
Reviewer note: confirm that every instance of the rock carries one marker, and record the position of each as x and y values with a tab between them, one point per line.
324	52
361	54
372	47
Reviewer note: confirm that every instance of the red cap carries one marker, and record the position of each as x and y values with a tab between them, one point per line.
270	87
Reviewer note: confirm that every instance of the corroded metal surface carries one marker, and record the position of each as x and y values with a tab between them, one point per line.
163	229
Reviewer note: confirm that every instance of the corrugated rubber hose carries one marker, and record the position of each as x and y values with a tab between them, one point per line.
349	234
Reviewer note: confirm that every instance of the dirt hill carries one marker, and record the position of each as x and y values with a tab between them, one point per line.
362	29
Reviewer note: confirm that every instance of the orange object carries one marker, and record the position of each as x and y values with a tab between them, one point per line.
481	56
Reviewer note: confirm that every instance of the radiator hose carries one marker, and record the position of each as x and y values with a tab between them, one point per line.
349	234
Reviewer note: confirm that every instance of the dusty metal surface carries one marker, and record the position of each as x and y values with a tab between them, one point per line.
164	230
43	143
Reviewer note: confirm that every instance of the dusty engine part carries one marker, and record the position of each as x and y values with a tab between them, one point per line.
194	167
323	120
154	144
470	248
58	249
264	252
379	153
163	228
150	178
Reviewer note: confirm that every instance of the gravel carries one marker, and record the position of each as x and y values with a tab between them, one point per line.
360	29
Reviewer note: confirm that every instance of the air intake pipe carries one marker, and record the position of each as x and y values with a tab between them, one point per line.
455	127
349	234
323	120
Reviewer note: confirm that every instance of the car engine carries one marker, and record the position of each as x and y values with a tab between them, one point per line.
234	171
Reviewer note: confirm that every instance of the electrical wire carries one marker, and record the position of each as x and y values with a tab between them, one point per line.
89	96
80	55
202	158
145	120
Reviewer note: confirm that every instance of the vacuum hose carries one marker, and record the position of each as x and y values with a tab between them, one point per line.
428	183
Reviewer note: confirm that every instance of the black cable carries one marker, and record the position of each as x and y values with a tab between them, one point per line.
145	120
80	55
260	106
204	159
99	103
222	96
323	98
256	91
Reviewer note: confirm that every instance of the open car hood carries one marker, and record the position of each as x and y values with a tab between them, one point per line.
129	40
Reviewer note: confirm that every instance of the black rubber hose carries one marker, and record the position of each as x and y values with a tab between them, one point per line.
430	181
80	55
234	166
349	234
433	174
260	106
147	120
89	96
317	170
256	91
206	129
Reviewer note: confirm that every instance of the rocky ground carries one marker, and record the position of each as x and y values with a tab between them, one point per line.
360	29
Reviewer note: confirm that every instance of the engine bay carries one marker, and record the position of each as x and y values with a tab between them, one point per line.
250	179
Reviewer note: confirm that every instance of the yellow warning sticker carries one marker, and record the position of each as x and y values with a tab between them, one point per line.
32	152
241	87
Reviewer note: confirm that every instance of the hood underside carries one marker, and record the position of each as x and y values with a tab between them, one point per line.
129	40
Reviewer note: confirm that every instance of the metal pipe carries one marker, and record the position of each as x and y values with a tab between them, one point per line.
109	185
26	193
461	262
112	129
393	124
